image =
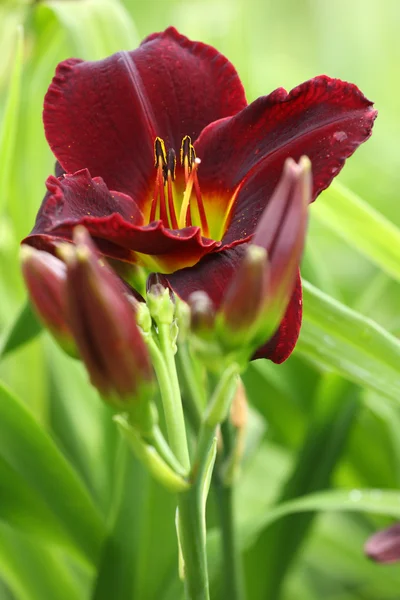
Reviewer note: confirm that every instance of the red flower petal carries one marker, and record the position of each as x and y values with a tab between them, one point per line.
105	115
282	343
115	222
325	119
72	197
213	274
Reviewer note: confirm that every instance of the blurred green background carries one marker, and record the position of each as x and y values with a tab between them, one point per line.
310	428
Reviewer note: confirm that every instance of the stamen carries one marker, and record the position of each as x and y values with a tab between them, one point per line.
160	161
187	193
187	156
159	152
171	165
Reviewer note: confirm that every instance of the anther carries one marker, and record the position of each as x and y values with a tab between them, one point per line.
160	157
187	156
171	163
160	160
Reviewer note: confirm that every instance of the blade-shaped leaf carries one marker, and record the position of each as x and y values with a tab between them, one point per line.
340	339
24	329
10	120
361	226
23	508
380	502
29	450
337	406
35	572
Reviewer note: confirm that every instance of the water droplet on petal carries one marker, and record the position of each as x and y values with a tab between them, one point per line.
340	136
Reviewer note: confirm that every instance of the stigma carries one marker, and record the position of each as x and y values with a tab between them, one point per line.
177	200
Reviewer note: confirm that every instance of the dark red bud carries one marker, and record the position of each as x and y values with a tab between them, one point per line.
103	322
202	312
260	290
45	277
281	232
246	293
384	546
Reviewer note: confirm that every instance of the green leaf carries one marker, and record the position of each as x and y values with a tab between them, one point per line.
374	501
82	424
10	121
380	502
23	507
334	554
35	572
337	403
340	339
97	28
32	454
361	226
24	329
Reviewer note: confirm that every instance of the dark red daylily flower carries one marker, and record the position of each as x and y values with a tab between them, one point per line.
126	132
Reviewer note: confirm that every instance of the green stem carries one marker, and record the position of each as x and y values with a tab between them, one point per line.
232	564
192	529
164	365
234	588
192	540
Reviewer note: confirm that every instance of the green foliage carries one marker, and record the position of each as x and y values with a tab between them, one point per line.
79	517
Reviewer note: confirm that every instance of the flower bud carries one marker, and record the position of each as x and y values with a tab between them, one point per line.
281	231
103	321
202	313
384	546
160	300
246	294
45	277
260	290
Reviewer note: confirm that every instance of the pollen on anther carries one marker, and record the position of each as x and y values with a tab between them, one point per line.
159	152
187	150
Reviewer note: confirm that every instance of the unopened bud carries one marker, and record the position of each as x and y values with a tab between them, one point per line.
160	299
45	277
281	231
245	297
103	322
202	313
384	546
